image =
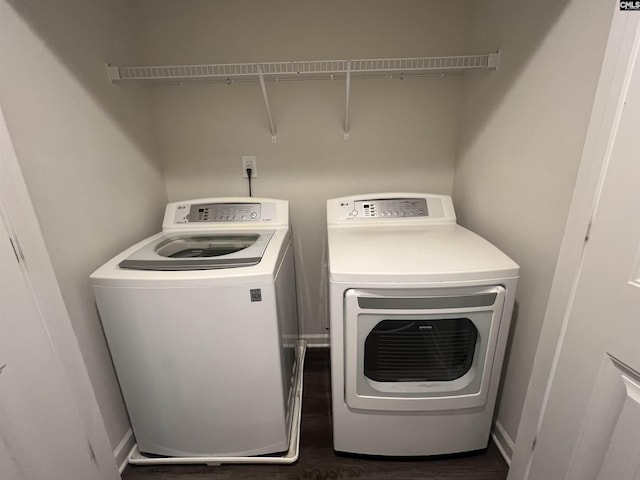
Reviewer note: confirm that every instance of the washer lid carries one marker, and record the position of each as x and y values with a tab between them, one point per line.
200	251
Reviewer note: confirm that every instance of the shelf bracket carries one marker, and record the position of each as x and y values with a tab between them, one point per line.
274	138
113	73
493	60
346	110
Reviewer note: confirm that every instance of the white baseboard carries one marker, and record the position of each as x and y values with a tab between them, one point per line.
503	441
316	339
121	453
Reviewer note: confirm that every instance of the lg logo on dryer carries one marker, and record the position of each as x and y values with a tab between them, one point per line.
635	5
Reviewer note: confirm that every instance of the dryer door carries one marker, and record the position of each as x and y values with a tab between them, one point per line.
420	349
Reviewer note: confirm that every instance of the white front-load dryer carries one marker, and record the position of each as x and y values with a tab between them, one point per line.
419	309
201	323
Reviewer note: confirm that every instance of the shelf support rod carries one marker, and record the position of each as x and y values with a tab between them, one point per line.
274	138
346	110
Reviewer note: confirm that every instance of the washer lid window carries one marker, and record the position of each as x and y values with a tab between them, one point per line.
200	251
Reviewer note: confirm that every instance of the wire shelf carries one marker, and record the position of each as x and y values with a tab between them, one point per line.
301	69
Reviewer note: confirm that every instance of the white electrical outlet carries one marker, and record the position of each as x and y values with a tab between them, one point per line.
249	162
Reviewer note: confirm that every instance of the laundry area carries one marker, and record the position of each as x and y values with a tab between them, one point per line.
412	167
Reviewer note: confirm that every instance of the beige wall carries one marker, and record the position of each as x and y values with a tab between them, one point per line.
404	133
86	152
522	139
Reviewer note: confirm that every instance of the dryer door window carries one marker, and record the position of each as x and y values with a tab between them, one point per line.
420	350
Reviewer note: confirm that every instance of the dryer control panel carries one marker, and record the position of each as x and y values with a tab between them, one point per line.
407	208
391	207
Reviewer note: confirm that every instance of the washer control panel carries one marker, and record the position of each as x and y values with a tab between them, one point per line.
225	212
390	208
218	212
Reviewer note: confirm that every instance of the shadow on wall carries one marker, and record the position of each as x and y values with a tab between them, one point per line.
520	147
512	330
521	30
82	37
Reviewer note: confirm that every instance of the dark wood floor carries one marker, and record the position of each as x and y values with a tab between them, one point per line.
319	461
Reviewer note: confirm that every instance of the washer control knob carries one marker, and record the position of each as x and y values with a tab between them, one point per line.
253	215
354	213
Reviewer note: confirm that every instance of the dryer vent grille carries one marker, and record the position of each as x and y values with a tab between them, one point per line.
420	350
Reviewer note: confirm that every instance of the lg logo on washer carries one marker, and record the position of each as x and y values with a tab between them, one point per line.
635	5
256	294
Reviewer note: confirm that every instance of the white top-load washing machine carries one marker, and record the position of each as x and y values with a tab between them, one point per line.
420	309
201	323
